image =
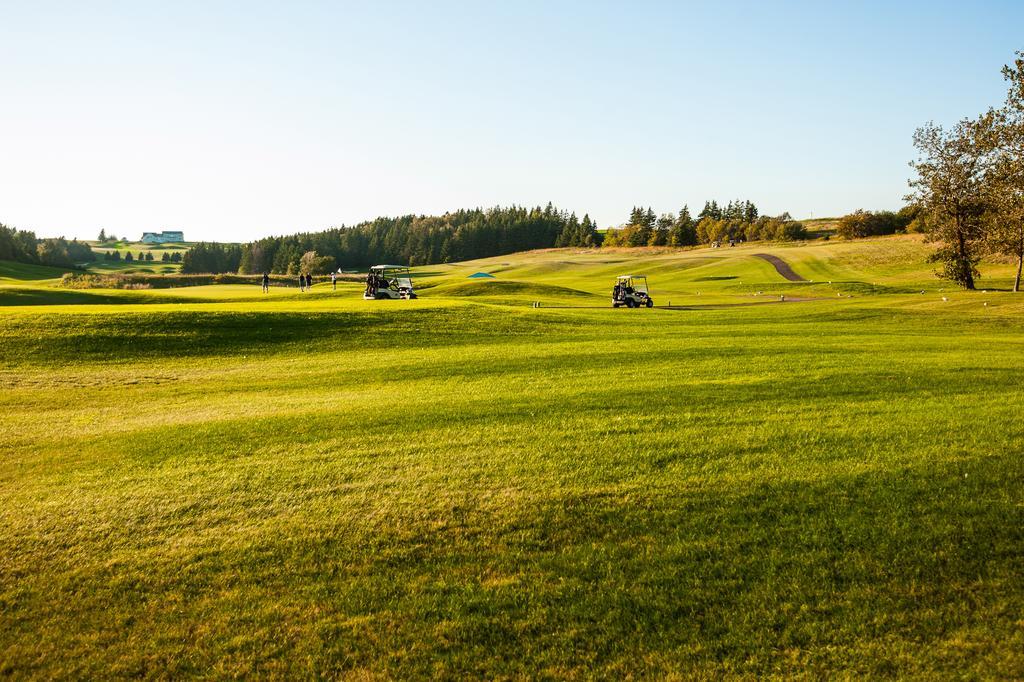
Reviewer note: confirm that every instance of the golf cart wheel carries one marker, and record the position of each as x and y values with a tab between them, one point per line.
615	305
650	303
630	303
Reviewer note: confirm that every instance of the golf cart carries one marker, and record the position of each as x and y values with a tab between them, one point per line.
631	291
386	282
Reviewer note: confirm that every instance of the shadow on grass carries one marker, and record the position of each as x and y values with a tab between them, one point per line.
17	296
875	574
508	288
142	335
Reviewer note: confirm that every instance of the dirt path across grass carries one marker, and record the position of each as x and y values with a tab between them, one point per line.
781	266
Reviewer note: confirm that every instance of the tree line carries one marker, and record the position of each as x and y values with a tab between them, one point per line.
738	221
424	240
863	223
480	233
24	247
212	257
147	256
969	185
405	240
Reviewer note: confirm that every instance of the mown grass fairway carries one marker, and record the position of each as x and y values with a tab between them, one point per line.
209	481
156	266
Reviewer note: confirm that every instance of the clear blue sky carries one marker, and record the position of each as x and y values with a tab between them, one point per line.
233	120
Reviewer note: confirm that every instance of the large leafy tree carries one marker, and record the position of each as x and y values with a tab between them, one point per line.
1002	132
949	187
313	264
1006	230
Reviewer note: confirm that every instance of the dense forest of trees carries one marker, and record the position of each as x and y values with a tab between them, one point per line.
24	247
212	257
405	240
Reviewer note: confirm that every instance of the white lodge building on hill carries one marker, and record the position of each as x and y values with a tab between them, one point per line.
162	237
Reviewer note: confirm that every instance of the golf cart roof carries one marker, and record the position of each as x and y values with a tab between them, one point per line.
390	267
632	276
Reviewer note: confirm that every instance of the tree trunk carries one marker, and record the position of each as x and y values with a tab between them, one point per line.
1020	266
965	259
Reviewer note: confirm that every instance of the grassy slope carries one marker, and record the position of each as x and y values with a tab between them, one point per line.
819	227
156	266
120	267
26	274
298	485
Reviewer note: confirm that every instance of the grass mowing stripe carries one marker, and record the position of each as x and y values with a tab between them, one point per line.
468	486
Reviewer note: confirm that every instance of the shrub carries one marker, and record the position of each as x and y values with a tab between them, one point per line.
792	230
313	264
863	223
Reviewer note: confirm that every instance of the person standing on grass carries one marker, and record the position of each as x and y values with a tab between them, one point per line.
334	281
266	282
302	282
309	282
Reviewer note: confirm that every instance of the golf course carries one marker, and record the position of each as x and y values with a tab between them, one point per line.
764	475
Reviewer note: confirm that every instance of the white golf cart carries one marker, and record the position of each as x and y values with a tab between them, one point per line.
386	282
632	292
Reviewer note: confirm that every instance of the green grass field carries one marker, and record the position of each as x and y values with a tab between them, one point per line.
155	266
211	481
